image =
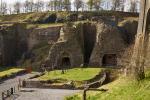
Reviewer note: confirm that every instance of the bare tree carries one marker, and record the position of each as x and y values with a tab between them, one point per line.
50	5
115	4
39	6
28	6
78	4
4	8
133	6
17	7
66	4
97	4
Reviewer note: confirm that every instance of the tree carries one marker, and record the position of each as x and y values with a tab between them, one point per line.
90	4
26	6
96	4
50	5
4	8
17	7
39	6
133	6
66	4
78	4
115	4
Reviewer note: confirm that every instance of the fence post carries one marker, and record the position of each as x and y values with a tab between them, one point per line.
3	98
12	92
84	95
84	92
8	93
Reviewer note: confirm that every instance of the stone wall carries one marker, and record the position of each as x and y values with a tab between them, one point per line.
13	42
108	47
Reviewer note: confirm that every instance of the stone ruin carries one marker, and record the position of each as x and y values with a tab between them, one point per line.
13	42
67	50
96	44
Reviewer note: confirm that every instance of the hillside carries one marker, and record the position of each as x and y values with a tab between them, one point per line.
120	89
51	17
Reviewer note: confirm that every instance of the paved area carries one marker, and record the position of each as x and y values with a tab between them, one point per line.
44	94
33	94
7	84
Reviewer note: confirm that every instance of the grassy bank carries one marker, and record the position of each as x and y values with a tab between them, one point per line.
121	89
76	74
9	71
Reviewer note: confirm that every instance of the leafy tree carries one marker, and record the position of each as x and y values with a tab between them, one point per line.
90	4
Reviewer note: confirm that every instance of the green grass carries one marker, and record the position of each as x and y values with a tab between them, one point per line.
121	89
9	71
76	74
49	25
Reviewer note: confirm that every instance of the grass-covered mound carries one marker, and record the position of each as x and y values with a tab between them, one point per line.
121	89
76	74
72	78
9	71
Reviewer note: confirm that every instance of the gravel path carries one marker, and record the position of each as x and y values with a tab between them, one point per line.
34	94
13	82
44	94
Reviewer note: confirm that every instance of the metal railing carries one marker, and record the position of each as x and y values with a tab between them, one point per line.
87	87
11	91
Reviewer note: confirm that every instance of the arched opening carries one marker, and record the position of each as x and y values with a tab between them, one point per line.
66	62
109	60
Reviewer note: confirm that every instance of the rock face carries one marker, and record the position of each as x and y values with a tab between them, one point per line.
109	46
49	34
98	44
66	52
13	42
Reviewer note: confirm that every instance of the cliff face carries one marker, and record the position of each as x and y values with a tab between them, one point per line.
13	43
100	44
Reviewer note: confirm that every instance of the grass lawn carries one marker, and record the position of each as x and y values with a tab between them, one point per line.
76	74
120	89
9	71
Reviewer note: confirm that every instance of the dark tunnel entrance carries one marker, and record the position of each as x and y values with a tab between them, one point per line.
66	62
109	60
89	31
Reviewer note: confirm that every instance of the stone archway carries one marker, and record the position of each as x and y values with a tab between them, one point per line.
65	60
109	60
